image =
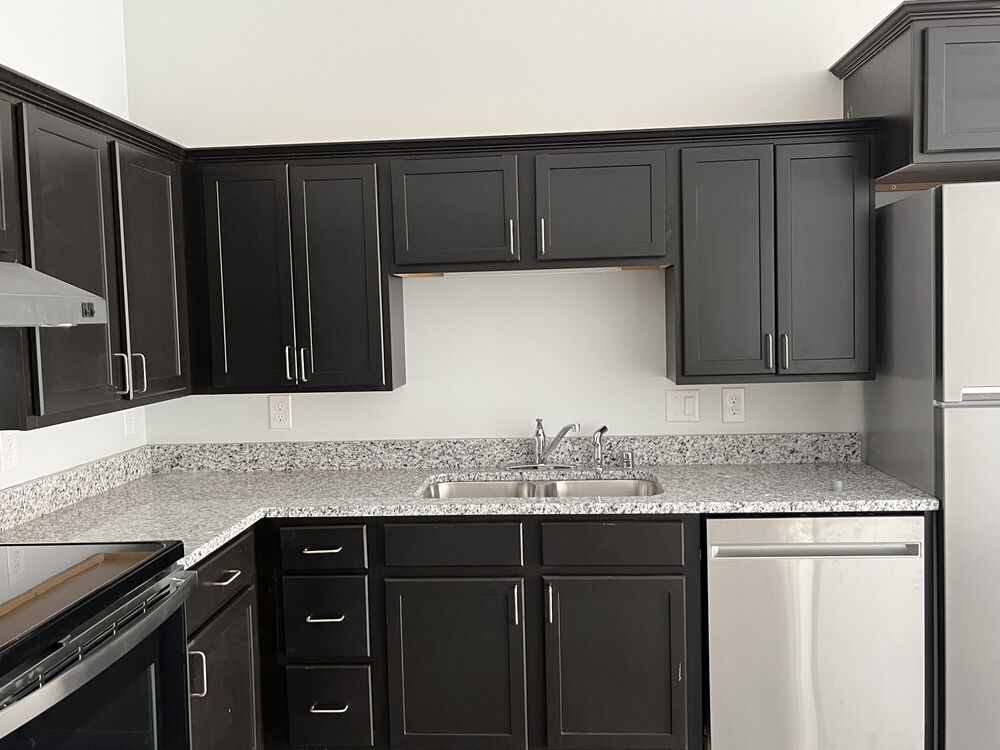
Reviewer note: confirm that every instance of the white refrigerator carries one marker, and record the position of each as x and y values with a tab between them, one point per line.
933	420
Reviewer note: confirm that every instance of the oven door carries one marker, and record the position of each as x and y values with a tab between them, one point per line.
127	692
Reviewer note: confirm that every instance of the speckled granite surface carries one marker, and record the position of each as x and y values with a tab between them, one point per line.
206	509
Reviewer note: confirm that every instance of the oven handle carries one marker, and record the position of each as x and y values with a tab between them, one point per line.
48	695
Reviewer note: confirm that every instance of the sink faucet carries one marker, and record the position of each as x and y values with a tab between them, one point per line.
543	446
598	441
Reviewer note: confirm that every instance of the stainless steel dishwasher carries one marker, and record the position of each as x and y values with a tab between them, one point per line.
816	633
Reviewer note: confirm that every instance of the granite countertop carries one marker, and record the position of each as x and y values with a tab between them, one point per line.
206	509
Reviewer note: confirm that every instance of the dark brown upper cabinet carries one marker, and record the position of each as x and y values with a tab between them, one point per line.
456	210
71	235
11	247
615	659
456	663
775	277
823	232
933	72
601	205
297	295
728	260
152	272
249	258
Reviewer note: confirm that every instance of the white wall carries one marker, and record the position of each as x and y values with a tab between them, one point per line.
76	47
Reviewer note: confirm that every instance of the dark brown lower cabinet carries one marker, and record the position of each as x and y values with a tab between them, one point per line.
225	679
615	660
456	663
330	706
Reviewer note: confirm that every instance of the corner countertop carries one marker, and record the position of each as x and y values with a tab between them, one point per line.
207	509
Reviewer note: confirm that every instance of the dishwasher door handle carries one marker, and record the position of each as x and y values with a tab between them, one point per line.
815	550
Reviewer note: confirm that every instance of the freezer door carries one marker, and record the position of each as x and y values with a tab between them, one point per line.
970	288
971	507
816	633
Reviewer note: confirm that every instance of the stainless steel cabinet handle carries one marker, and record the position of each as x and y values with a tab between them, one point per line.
314	620
550	604
145	376
302	359
769	338
204	675
542	234
314	710
233	575
517	616
288	367
334	551
512	251
128	375
785	349
831	549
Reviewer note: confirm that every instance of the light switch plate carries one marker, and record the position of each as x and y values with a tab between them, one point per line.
279	412
682	405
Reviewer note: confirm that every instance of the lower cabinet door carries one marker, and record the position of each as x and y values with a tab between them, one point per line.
224	672
456	663
329	706
614	652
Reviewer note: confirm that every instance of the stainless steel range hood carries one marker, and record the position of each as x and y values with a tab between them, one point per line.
30	298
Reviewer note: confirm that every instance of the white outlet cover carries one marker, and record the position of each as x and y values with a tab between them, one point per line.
279	412
15	565
10	451
129	422
682	405
734	405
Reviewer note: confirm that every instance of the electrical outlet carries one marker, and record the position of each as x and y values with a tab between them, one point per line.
10	454
733	405
279	410
15	565
129	422
682	405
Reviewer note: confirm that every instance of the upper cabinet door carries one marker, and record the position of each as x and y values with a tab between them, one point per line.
250	276
11	247
824	204
601	205
728	260
71	236
337	275
962	91
461	210
149	198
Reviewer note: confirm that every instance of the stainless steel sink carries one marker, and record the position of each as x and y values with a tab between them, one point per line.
601	488
450	490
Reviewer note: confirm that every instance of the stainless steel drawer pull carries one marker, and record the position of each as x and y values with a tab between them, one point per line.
314	710
832	549
542	235
517	616
204	675
128	375
550	604
512	252
145	375
302	359
770	350
785	350
288	366
314	620
333	551
233	575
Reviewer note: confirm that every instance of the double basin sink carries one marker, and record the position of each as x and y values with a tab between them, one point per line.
543	488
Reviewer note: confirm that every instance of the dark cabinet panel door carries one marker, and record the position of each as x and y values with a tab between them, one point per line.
11	248
149	202
461	210
456	663
601	205
250	276
728	260
338	275
824	206
71	233
224	668
615	664
962	88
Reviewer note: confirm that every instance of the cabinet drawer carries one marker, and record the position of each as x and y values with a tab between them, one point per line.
447	544
324	547
329	706
326	616
220	578
628	543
